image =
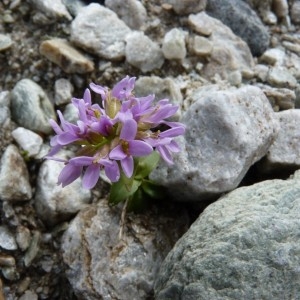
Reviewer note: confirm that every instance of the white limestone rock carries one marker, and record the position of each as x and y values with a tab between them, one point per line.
226	132
142	52
98	29
63	90
52	8
28	140
132	12
173	46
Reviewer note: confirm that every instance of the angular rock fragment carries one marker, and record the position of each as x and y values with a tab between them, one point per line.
62	53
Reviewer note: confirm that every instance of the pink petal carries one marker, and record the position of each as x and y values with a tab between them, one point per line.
127	166
165	154
68	174
111	169
98	89
117	153
129	130
66	138
87	97
91	176
172	132
173	147
139	148
82	160
55	126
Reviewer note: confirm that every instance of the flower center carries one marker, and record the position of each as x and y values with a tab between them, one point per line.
125	147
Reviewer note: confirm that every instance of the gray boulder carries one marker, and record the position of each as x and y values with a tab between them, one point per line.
243	21
102	266
244	246
227	131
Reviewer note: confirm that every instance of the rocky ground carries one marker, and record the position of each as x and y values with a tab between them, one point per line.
30	232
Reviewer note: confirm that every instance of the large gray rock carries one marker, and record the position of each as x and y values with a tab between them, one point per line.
243	21
53	203
102	266
31	107
229	52
227	131
99	30
244	246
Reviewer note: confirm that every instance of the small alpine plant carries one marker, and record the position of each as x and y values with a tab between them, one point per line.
124	135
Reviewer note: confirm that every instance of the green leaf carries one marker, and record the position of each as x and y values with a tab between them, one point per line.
123	189
152	189
146	164
137	202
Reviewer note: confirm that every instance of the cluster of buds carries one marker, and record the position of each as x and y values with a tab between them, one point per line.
113	133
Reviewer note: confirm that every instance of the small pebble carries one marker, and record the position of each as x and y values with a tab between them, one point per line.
10	273
7	239
29	295
5	42
23	285
23	237
7	261
33	249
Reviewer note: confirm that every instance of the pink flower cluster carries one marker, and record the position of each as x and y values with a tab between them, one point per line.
110	135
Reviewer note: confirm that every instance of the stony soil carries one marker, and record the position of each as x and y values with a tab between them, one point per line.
45	277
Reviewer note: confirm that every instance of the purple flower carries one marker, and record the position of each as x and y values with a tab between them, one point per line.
87	112
164	143
65	134
75	166
129	147
111	134
123	89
